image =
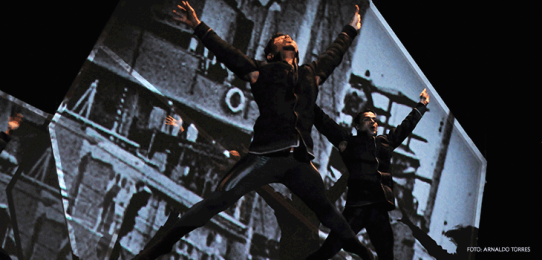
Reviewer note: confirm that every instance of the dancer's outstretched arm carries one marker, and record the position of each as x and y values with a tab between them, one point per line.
235	60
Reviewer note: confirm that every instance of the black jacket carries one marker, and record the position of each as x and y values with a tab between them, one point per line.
368	158
285	95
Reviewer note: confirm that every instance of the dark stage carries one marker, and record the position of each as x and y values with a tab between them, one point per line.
477	55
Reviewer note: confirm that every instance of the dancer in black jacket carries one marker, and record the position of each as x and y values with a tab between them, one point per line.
281	149
367	158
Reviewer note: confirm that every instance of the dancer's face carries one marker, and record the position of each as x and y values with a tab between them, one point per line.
368	124
286	43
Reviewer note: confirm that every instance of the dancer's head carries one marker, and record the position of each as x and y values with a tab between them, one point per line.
278	45
365	122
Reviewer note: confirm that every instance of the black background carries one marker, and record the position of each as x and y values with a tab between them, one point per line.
480	58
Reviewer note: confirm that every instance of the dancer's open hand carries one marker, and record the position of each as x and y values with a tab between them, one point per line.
424	97
186	14
356	20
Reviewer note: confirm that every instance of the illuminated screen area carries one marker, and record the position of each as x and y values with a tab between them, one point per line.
33	223
122	171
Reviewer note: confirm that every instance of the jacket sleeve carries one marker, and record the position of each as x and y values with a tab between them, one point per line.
4	139
397	135
226	53
332	57
328	127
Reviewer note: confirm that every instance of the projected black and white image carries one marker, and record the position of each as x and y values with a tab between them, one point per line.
33	223
154	122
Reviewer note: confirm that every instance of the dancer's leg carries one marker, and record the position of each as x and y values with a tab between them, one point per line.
380	232
333	244
250	172
305	182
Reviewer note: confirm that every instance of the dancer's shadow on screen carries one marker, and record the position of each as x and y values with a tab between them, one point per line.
461	236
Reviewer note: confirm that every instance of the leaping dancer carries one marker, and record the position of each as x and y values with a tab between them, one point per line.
281	149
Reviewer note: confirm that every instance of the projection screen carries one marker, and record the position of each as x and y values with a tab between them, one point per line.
122	171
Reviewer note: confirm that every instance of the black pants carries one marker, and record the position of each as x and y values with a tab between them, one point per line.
254	171
374	218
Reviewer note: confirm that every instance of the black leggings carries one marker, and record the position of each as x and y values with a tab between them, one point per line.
374	218
254	171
